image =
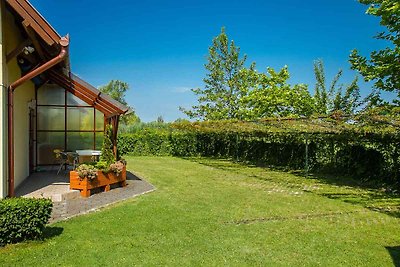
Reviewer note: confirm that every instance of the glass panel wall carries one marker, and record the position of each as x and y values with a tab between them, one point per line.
80	140
47	142
99	121
50	118
99	139
80	119
65	122
51	95
75	101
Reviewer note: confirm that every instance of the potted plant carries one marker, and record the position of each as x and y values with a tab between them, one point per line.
103	174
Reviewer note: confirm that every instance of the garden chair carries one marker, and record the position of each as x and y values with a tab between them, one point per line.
66	158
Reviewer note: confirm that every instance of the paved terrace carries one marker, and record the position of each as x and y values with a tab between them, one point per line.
68	203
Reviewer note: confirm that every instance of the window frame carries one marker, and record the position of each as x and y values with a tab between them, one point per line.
94	130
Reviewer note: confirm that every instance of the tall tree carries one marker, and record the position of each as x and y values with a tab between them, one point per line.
117	89
383	66
271	95
220	97
234	91
338	97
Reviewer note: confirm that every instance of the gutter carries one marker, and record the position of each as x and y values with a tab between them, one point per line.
64	42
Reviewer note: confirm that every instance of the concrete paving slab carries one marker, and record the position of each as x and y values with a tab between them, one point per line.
68	203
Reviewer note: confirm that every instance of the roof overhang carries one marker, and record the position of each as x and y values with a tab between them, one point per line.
89	94
32	18
49	43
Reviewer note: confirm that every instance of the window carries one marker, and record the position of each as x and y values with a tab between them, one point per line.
65	122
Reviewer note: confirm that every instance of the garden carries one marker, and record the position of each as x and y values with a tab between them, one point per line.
214	212
265	173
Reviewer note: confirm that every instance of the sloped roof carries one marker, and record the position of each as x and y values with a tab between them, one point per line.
89	94
32	19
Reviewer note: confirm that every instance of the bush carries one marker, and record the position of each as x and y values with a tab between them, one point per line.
23	219
107	154
364	152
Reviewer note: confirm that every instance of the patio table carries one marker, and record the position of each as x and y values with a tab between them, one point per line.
86	155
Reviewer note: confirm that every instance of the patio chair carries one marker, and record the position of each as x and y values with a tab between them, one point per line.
66	158
73	158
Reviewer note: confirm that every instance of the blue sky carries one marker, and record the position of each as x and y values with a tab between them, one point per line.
160	47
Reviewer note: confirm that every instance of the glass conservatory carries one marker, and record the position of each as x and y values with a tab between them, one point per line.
65	122
45	106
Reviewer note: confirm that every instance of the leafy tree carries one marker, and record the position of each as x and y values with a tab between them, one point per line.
233	91
131	118
220	98
271	95
160	119
383	66
180	120
117	89
338	97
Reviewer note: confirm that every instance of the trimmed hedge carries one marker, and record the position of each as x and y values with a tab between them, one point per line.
23	219
364	155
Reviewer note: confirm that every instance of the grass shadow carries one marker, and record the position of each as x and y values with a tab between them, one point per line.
51	232
220	163
372	196
395	254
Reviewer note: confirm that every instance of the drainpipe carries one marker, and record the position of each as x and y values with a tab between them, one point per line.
64	42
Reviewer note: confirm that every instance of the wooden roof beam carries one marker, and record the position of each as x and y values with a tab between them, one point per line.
70	87
38	23
98	98
26	16
18	50
40	20
31	33
94	95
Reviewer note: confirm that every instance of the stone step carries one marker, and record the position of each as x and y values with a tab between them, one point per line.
71	194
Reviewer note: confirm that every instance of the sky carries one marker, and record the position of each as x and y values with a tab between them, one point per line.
160	47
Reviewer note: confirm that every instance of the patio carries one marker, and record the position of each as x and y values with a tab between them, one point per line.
68	203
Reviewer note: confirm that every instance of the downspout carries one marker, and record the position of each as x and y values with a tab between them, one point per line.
64	42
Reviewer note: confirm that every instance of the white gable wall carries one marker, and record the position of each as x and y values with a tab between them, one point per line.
22	96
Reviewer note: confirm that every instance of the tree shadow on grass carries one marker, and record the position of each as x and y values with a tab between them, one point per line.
395	254
51	231
220	163
369	195
373	196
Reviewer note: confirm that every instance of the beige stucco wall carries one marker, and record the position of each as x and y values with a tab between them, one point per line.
3	141
22	96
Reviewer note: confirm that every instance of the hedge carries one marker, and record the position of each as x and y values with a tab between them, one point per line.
23	219
368	155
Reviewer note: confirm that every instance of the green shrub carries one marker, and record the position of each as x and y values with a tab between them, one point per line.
107	154
23	219
369	153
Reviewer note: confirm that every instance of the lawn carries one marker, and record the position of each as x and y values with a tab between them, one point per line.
215	212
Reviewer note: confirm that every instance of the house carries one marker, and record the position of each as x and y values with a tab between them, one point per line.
43	106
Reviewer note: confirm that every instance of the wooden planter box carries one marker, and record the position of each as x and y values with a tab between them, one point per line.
103	180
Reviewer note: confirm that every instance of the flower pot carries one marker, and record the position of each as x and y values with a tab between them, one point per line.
103	180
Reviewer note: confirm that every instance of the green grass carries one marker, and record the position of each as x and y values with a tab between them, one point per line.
214	212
